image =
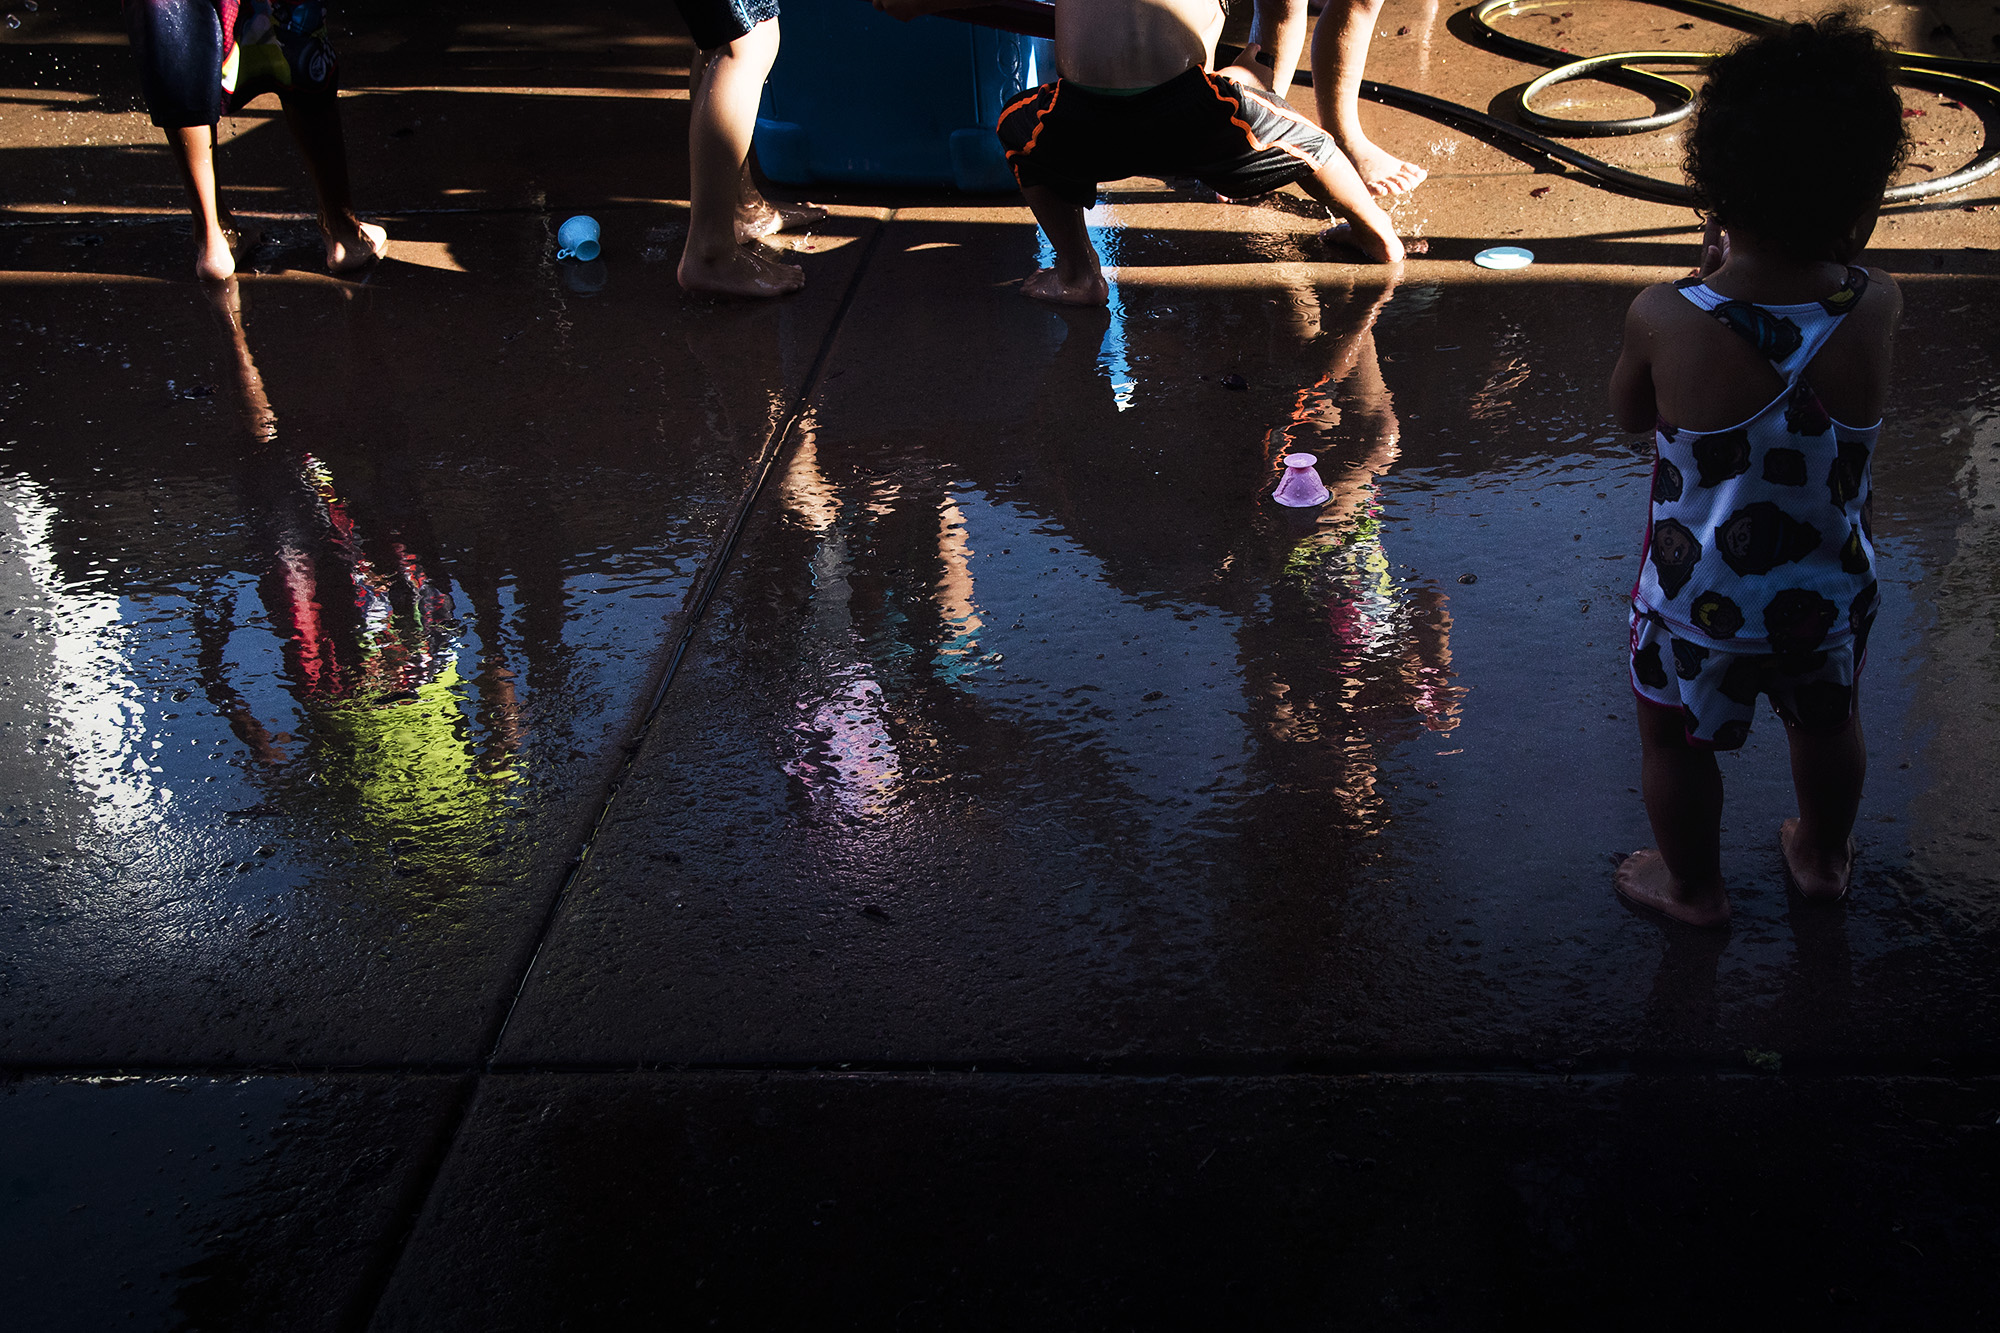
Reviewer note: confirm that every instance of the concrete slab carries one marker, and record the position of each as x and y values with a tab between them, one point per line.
330	620
209	1203
997	1202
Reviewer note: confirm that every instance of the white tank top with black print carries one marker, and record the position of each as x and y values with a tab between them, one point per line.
1759	539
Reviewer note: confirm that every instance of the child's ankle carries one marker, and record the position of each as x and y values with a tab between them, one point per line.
1072	270
1697	890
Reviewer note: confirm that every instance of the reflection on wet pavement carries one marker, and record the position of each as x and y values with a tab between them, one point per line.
1084	735
324	624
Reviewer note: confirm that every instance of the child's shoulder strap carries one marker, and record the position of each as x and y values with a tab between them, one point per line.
1850	293
1699	292
1778	338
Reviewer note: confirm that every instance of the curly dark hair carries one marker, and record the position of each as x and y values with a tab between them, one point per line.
1797	133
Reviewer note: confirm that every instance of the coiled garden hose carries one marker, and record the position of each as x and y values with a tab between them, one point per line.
1939	73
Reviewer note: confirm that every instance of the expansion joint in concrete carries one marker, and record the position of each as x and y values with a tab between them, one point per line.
381	1269
1648	1064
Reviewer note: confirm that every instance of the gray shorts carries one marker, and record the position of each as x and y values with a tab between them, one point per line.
1237	140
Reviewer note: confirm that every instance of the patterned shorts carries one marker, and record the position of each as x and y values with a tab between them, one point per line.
717	23
1237	140
1716	692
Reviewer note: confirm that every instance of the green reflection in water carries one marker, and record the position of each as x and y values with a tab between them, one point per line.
413	778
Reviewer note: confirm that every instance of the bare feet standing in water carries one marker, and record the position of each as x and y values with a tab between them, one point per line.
726	214
1681	875
352	243
1076	278
1339	51
757	217
1814	873
181	48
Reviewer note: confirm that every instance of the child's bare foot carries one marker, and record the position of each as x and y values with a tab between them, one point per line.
1379	243
352	243
739	272
215	255
1820	878
1046	284
754	221
241	235
1382	172
1643	879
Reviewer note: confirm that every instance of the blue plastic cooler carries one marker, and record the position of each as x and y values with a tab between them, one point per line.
858	98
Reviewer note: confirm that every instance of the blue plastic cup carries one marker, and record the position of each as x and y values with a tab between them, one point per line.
577	239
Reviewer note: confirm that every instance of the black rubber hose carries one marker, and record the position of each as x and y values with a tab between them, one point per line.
1492	127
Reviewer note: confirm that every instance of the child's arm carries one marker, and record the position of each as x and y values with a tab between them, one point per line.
1278	33
911	9
1632	399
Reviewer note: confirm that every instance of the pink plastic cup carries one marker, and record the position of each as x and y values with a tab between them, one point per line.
1300	487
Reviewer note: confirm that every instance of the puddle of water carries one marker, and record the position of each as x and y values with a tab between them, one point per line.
1430	666
314	620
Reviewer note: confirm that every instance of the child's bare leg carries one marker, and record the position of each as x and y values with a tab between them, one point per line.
226	297
756	216
1077	278
1339	187
1827	774
720	122
1683	789
314	120
1279	28
194	153
1339	51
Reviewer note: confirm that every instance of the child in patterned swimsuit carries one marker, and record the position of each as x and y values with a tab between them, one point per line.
1760	378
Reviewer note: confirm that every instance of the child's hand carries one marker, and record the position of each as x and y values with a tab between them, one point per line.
1714	249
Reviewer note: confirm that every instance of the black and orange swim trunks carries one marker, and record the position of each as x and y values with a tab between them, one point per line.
1237	140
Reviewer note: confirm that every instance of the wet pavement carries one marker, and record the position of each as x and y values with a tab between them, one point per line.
331	624
540	802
